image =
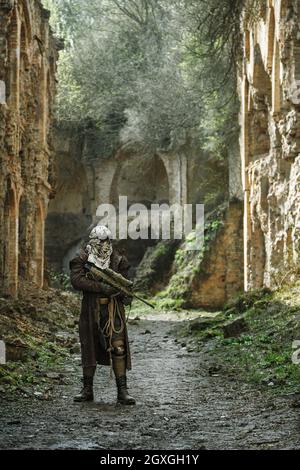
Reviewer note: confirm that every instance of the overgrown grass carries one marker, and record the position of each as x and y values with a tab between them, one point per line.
59	280
263	354
39	330
20	375
187	265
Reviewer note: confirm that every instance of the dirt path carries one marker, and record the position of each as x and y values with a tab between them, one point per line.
179	406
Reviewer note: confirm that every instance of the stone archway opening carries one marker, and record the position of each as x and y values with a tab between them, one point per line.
46	107
39	246
247	44
283	9
271	37
13	81
144	181
22	238
24	67
260	103
69	213
257	256
10	239
273	62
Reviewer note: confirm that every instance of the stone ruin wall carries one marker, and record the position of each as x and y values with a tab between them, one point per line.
28	55
70	212
87	178
220	277
269	84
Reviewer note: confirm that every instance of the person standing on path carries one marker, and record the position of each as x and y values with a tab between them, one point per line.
102	325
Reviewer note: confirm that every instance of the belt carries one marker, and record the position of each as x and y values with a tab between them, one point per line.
103	300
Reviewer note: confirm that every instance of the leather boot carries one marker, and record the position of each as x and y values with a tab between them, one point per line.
123	397
86	393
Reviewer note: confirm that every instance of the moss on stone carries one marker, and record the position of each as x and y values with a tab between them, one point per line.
154	270
188	264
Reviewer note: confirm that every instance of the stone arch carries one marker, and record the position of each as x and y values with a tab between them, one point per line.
245	138
41	115
44	99
24	46
261	80
22	236
247	45
276	87
13	79
47	101
283	9
39	244
271	37
69	213
28	21
247	105
273	61
261	96
10	237
176	167
257	256
24	65
104	176
141	180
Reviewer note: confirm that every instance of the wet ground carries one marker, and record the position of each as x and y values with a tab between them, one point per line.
181	404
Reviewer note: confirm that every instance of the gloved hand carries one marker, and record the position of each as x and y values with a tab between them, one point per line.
107	290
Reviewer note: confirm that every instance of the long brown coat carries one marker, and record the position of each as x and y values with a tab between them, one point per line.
91	350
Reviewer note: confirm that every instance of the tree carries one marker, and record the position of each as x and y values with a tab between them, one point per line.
150	74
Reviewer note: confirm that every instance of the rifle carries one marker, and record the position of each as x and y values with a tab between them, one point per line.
115	280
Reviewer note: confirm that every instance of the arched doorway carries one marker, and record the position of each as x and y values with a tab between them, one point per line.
24	68
145	181
22	237
260	103
10	241
271	37
142	180
13	68
39	246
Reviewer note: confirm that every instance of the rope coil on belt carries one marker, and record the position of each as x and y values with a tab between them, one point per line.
109	327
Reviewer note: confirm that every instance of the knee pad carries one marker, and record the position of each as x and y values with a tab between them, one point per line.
118	349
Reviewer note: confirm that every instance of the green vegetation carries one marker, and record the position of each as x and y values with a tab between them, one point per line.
18	375
187	264
151	74
60	280
263	354
40	331
154	270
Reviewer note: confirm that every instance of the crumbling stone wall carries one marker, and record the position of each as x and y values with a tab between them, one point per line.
70	213
213	275
28	54
220	274
269	85
87	178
